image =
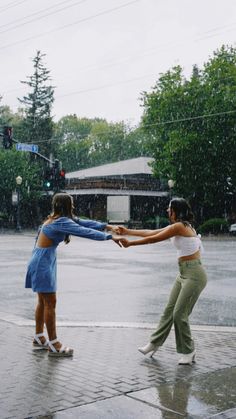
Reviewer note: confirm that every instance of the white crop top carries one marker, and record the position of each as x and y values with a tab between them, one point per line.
187	245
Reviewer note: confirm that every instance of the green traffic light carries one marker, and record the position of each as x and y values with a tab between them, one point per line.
47	184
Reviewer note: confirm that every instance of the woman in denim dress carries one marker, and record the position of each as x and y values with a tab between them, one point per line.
41	274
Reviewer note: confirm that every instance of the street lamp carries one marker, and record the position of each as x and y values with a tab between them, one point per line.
18	186
171	184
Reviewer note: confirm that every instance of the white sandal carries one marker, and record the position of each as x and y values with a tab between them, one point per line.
37	344
63	351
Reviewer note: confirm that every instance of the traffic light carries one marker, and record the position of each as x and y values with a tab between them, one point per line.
48	180
62	178
54	177
59	176
7	137
56	165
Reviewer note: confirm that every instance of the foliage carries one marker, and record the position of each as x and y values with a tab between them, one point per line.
163	222
38	124
154	222
74	155
214	226
105	142
15	120
192	134
71	128
13	164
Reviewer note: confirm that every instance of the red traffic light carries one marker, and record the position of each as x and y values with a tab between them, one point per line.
62	173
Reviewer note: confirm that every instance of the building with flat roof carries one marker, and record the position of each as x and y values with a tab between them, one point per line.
124	191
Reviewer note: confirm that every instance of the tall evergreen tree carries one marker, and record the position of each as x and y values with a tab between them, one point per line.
38	105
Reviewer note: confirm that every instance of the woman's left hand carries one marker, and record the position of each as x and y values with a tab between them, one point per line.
117	240
124	242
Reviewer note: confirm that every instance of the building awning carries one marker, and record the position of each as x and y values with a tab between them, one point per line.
101	191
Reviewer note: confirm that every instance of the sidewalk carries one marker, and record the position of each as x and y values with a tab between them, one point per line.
109	379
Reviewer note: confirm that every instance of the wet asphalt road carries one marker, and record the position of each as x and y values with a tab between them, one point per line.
99	282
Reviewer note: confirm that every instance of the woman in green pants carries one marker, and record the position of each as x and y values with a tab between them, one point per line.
189	283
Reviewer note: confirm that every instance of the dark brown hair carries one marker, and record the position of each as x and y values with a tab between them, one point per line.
62	206
183	211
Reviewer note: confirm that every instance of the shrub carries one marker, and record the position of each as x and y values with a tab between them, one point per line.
149	223
155	222
163	222
3	219
214	226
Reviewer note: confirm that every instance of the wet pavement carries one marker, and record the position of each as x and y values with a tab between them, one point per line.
108	378
130	285
108	304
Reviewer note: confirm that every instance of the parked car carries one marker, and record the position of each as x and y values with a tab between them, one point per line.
232	229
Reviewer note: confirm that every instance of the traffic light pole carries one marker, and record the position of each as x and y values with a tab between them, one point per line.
56	177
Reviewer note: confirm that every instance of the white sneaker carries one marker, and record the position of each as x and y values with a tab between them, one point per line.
187	359
150	347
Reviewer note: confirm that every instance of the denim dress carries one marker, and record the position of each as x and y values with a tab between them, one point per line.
41	273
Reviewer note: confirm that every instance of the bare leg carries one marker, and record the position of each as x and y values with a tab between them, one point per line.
50	301
39	317
39	314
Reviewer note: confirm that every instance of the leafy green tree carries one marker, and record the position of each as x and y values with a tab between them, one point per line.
191	132
38	124
16	120
74	155
70	128
135	143
13	164
107	142
5	115
100	143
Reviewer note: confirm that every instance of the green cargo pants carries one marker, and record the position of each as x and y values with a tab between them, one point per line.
189	284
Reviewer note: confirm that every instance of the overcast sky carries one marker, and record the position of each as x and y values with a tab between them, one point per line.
103	53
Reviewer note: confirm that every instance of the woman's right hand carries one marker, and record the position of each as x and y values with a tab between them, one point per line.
122	230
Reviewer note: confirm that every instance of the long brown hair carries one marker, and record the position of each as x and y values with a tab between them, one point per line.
183	211
62	206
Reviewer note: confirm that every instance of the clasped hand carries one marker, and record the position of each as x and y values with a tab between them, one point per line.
121	241
120	230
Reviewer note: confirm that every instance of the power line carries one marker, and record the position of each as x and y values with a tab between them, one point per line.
40	17
124	82
191	118
33	14
71	24
112	63
104	86
13	4
199	38
171	121
195	88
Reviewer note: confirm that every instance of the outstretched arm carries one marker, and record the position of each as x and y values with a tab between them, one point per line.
68	226
163	234
96	225
140	233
